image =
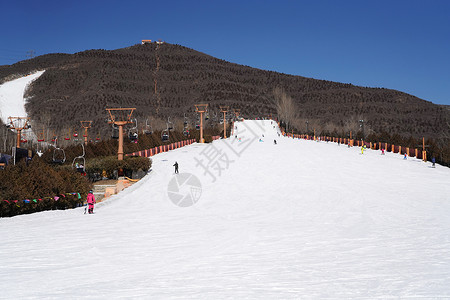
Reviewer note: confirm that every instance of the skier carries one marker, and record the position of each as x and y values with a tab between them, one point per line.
91	202
176	167
433	160
362	149
274	142
382	151
404	157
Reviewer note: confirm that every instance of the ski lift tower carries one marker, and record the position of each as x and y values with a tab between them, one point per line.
86	125
224	110
424	149
120	117
201	108
18	124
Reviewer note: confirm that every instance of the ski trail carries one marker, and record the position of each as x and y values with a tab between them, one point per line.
299	219
12	100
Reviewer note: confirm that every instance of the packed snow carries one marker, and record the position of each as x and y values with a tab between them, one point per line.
299	219
12	101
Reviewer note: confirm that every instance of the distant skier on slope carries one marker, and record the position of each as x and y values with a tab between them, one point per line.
176	167
274	142
91	201
433	160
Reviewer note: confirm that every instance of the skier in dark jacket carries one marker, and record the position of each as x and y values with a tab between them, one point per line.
176	167
433	160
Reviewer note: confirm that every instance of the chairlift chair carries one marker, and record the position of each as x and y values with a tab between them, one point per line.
39	151
59	156
79	162
23	138
169	124
133	136
148	131
165	135
148	128
133	133
115	131
67	137
40	139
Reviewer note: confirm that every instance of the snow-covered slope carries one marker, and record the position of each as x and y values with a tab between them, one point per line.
12	102
299	219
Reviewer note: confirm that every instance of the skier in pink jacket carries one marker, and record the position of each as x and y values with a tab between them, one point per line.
91	202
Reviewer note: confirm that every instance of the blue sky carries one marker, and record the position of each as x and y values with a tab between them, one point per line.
402	45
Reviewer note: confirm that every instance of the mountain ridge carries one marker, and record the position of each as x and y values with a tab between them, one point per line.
167	80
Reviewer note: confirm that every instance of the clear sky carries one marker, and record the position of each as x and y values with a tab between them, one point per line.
402	45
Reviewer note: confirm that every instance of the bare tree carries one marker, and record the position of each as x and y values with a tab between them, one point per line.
286	108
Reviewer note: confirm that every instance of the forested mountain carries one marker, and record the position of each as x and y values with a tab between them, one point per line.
166	80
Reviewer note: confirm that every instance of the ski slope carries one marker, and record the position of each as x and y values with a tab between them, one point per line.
12	101
300	219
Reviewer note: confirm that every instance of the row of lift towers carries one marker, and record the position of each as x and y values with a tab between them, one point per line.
122	116
118	117
21	123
